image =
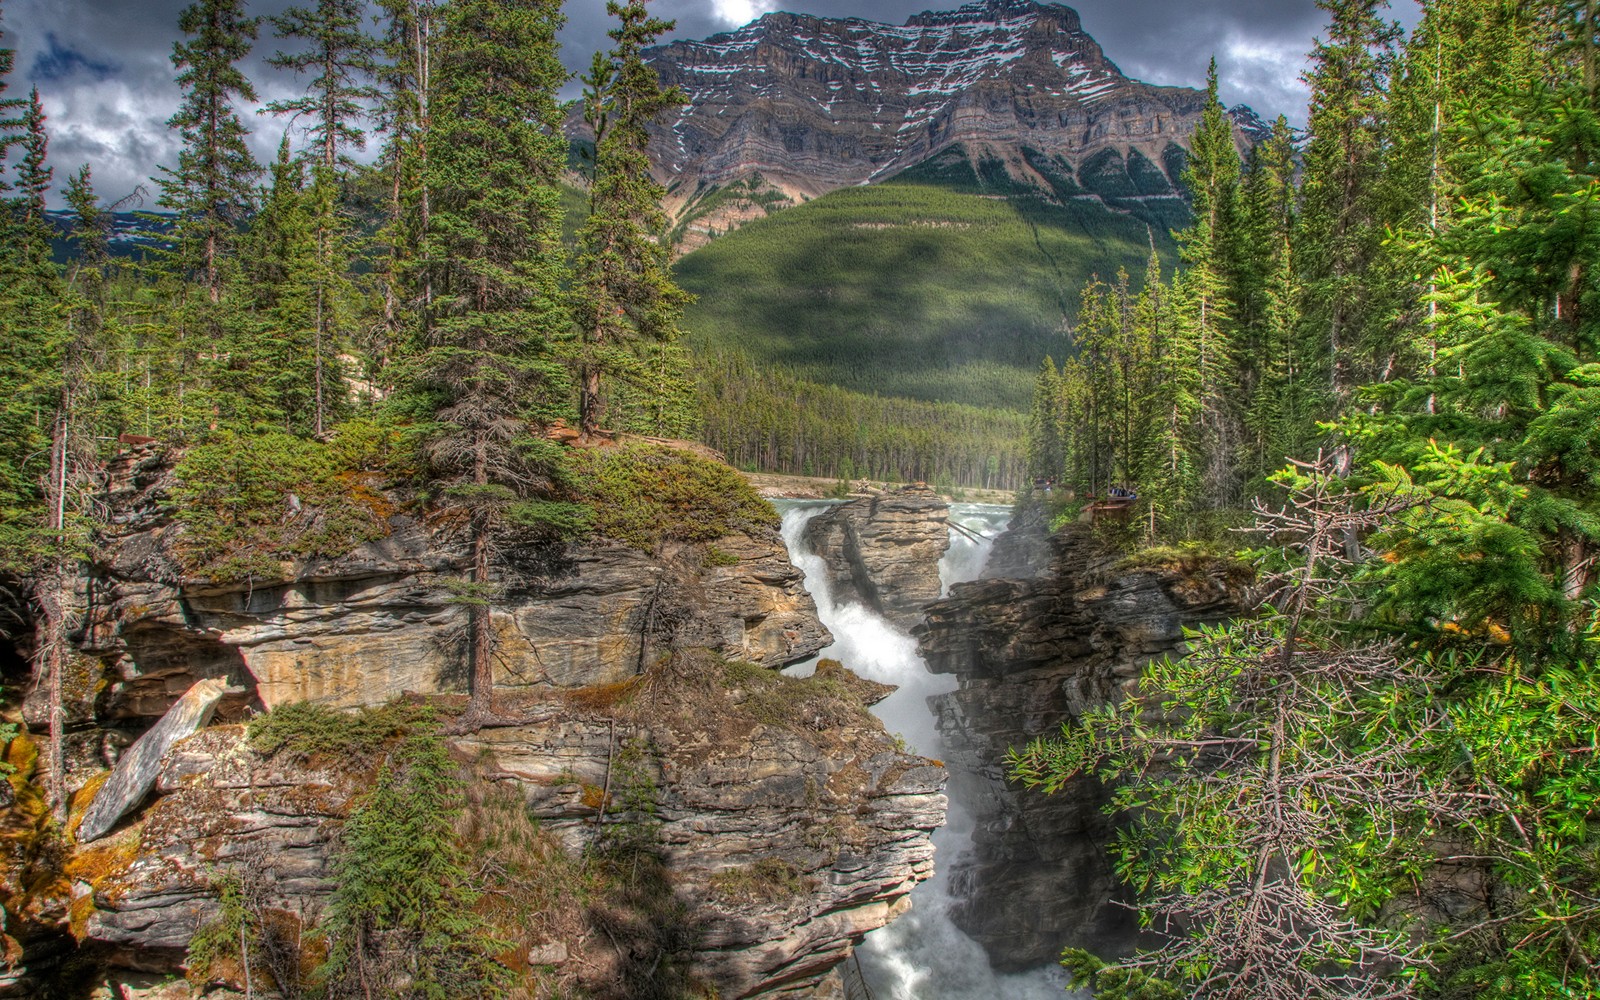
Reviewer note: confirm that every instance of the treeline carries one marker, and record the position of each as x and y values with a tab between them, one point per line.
1385	784
764	420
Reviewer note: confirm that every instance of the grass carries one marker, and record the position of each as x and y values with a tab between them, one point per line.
770	880
939	285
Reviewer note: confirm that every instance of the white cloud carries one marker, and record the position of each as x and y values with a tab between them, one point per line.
737	13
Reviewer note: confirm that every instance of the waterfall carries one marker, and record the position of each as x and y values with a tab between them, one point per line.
923	955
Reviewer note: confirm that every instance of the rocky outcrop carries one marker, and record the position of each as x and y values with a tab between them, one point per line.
1032	652
792	106
883	551
382	620
742	767
786	822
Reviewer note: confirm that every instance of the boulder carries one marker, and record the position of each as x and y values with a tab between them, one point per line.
135	774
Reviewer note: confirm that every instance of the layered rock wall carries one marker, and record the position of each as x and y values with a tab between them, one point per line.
1070	630
604	650
837	803
883	551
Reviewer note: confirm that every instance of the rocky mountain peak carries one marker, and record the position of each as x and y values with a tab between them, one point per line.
791	106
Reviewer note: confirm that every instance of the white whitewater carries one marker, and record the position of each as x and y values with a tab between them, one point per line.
923	955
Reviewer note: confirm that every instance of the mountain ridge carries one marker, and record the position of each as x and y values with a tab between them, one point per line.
791	106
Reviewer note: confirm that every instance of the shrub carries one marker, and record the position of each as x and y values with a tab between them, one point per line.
302	729
249	502
645	495
402	916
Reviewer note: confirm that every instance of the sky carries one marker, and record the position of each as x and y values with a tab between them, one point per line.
104	72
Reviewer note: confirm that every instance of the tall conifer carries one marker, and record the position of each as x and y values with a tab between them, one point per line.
1208	248
212	188
1342	229
342	58
491	259
626	297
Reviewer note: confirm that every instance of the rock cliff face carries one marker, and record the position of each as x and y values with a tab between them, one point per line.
844	812
606	649
364	628
883	551
792	106
1067	629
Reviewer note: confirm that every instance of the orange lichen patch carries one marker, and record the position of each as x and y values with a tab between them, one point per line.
593	797
364	489
602	697
99	867
81	800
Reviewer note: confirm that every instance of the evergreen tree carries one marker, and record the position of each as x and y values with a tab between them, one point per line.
343	57
491	262
405	77
270	376
1208	248
1341	227
1047	454
625	294
1288	389
212	188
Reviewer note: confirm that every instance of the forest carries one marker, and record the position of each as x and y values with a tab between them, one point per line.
1375	372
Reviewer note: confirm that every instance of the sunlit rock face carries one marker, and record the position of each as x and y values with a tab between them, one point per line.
1013	90
883	551
384	619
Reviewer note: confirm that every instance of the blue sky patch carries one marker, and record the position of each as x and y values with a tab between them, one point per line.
58	62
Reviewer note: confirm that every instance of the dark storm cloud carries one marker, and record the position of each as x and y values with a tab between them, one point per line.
105	72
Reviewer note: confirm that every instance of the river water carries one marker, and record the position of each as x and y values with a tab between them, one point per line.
923	955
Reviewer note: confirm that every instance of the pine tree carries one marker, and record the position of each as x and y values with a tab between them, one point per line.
270	374
491	262
1341	228
1047	452
336	103
1208	248
405	80
625	294
212	188
1288	393
343	57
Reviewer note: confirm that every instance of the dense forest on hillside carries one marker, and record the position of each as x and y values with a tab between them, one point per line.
1379	364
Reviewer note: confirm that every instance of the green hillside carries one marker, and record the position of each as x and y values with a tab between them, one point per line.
949	285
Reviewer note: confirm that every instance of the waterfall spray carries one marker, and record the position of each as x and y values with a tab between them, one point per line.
923	955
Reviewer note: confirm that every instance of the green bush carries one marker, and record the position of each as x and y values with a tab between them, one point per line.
249	502
645	495
304	730
402	920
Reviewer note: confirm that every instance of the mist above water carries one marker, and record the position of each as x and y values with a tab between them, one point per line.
923	955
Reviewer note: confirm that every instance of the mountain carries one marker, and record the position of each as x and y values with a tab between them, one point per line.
793	106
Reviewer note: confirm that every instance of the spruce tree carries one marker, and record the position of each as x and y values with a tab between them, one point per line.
1341	227
626	298
337	102
212	188
270	376
1285	401
404	76
1208	248
492	264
